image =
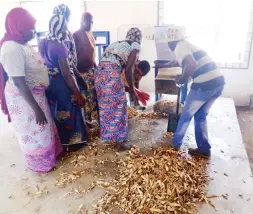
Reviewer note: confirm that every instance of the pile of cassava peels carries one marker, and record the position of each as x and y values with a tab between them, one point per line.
132	113
165	182
153	115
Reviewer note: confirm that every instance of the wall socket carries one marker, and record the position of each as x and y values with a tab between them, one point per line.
148	33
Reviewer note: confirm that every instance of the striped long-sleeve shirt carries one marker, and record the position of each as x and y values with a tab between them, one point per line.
207	75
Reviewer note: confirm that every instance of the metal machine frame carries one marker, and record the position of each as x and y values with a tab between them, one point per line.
104	45
96	34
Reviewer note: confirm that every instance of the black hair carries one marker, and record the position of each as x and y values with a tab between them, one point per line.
144	66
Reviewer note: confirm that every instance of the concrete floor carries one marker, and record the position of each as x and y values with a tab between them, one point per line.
245	118
21	190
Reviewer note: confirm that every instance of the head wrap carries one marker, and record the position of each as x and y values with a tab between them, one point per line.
134	35
63	10
87	14
18	22
56	25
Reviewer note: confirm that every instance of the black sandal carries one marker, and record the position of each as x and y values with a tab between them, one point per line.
198	153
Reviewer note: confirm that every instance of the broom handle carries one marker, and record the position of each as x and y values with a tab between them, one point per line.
178	101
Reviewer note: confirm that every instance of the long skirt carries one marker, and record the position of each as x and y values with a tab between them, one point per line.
66	113
112	102
40	144
90	96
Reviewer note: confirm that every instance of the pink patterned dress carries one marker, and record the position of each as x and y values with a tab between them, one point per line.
111	94
40	144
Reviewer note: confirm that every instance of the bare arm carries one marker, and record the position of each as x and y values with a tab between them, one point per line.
130	66
29	98
64	66
137	82
189	65
79	78
76	72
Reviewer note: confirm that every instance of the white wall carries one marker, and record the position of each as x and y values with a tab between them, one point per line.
5	7
239	84
112	15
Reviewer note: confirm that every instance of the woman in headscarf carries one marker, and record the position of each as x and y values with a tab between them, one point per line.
111	90
24	83
64	97
63	10
86	53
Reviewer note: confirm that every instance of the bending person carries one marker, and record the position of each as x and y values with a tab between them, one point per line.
111	90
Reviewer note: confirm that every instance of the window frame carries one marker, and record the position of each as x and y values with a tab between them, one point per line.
244	64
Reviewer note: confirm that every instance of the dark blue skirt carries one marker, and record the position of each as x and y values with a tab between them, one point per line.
66	113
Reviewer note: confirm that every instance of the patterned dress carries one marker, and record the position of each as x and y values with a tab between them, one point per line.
40	144
86	54
111	94
65	111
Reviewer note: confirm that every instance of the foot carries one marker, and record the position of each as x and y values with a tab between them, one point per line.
123	146
73	147
198	153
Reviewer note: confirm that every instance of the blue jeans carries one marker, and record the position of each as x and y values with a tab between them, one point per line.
198	104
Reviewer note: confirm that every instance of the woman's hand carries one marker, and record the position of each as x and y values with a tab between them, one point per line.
80	100
178	79
40	117
26	93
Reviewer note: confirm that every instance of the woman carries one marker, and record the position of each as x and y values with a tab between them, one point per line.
64	11
25	93
64	97
110	89
86	53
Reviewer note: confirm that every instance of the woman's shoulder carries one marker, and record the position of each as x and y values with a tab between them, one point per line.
53	44
120	45
135	46
11	46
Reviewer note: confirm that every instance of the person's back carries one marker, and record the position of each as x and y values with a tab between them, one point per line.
208	84
51	51
206	75
119	51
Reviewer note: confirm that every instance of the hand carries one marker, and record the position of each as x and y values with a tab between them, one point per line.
178	79
40	117
80	100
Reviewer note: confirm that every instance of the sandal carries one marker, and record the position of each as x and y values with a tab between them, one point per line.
198	153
